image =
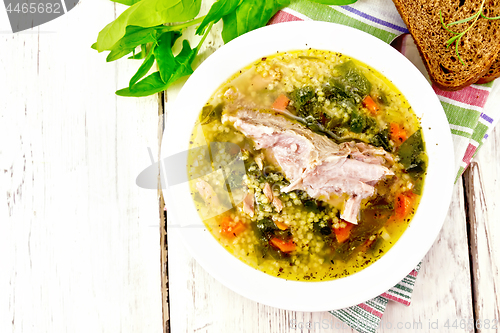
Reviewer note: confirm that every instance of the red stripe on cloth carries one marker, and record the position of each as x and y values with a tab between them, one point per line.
471	149
414	273
371	310
396	299
468	95
282	16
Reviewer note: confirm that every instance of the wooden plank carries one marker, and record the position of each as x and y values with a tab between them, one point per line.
483	191
442	291
165	290
79	240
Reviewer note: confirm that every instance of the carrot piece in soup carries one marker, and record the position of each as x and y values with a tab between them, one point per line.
281	225
231	229
281	102
404	204
398	134
366	245
284	246
371	105
343	234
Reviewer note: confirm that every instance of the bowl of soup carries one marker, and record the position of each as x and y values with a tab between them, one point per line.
309	166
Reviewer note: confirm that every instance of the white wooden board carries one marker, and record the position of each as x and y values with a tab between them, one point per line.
79	241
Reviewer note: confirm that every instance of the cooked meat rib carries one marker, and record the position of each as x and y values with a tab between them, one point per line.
268	192
314	163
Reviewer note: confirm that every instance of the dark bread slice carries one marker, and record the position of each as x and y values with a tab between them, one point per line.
478	48
493	72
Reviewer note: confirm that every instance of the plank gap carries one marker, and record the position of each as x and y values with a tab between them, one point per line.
165	288
468	190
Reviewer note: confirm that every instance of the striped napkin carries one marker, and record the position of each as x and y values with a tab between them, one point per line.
469	124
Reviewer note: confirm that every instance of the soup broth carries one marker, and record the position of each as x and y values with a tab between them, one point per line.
307	165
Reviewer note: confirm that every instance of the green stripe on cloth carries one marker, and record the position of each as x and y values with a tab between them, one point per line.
377	305
359	318
328	14
487	85
409	279
459	174
460	116
399	293
479	132
404	289
461	133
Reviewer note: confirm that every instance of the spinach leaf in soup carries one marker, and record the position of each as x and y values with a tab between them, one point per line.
304	99
371	221
323	227
358	122
210	113
336	92
381	139
353	81
412	154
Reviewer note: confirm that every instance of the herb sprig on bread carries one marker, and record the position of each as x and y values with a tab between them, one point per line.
458	35
478	48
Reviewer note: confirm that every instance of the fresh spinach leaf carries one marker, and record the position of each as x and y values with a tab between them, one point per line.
151	84
144	68
218	10
229	30
163	53
172	68
141	55
147	13
134	37
184	60
249	15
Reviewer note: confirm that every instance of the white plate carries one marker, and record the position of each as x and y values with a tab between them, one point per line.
413	244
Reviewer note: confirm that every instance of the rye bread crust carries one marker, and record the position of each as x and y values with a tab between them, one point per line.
493	73
478	48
